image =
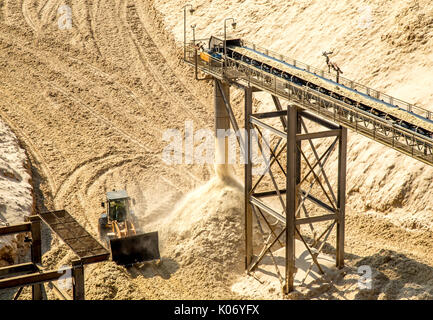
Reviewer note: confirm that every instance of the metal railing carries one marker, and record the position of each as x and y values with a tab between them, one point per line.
424	113
406	141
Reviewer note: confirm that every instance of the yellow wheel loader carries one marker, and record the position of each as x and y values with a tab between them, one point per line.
116	227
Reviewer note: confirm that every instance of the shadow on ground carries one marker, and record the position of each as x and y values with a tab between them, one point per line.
393	276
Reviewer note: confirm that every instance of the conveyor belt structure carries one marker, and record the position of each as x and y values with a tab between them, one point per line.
388	120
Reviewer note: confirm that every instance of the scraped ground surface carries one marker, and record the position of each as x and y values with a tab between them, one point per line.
91	104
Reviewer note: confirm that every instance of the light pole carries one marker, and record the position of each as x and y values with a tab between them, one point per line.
191	11
193	32
225	38
195	52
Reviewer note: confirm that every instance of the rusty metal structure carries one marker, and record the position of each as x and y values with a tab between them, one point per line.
87	249
306	197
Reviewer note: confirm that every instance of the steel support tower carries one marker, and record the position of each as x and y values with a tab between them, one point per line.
287	155
289	211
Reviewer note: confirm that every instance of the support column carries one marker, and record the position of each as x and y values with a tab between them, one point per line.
295	196
78	280
248	179
290	197
342	158
36	252
298	164
222	120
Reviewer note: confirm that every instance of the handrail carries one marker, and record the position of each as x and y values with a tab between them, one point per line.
346	82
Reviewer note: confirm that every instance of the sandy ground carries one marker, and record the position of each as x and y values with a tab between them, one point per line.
90	105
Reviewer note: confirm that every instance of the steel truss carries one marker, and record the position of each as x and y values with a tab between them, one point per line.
293	196
290	132
34	274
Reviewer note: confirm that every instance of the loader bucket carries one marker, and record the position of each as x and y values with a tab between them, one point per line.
133	249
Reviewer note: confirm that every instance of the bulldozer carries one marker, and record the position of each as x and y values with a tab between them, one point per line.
117	230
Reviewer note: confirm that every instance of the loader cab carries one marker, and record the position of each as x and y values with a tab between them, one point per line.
116	229
118	205
117	210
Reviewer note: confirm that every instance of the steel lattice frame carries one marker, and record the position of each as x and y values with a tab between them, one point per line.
291	131
292	197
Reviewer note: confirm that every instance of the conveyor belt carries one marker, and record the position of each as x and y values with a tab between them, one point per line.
390	121
87	248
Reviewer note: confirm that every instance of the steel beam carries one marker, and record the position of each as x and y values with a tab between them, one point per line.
292	135
259	123
291	175
267	209
323	122
78	288
330	108
265	249
271	193
298	159
261	205
18	228
311	198
280	109
59	293
37	278
222	119
248	178
17	268
319	202
316	219
318	135
36	253
18	293
341	197
270	114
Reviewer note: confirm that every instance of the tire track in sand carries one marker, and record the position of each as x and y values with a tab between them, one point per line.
166	46
30	22
50	61
70	183
127	11
27	18
53	184
48	10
